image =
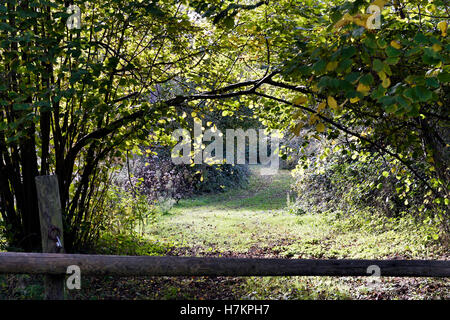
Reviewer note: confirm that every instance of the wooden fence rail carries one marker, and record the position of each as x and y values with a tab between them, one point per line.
56	264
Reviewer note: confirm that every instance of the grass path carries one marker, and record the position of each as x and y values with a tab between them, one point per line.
254	222
234	221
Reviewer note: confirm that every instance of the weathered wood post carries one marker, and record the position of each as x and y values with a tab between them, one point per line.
51	230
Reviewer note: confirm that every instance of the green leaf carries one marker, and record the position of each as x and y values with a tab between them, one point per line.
367	79
7	27
344	65
411	94
421	39
21	106
444	77
382	43
319	66
392	60
392	108
370	43
432	83
387	100
423	93
228	22
392	52
3	126
431	57
352	77
378	93
413	51
348	52
403	103
378	65
387	69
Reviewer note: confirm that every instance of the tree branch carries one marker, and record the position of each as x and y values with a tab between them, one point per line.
346	130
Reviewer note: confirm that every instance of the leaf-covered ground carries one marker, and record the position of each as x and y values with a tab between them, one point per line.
256	222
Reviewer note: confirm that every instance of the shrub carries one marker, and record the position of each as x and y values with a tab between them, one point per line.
126	215
157	177
351	179
127	212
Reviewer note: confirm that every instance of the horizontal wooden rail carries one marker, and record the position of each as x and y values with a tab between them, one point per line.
49	263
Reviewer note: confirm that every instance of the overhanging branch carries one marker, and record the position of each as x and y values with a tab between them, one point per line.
346	130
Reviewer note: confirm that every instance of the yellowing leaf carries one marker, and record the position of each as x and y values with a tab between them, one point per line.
437	47
443	26
363	88
297	128
340	24
396	44
386	83
313	119
379	3
361	20
332	103
300	100
332	65
297	114
346	19
354	100
320	127
382	75
321	106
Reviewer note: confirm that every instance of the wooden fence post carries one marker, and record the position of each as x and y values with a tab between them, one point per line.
51	230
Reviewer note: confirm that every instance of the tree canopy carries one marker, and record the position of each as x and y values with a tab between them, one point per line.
74	101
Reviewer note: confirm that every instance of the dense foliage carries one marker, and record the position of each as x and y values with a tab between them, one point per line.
74	101
157	177
327	181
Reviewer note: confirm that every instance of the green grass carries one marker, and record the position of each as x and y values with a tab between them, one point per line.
234	220
255	222
257	217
